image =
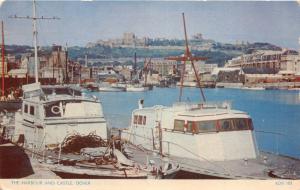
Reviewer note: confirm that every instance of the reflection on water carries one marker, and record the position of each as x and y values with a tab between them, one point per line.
271	110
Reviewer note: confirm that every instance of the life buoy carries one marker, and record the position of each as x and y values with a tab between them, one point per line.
55	109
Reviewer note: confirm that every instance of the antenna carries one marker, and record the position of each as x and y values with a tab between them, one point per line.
188	57
34	18
66	54
3	59
146	69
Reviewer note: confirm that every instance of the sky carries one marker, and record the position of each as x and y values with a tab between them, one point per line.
88	21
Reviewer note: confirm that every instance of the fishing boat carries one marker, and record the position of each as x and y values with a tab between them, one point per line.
210	140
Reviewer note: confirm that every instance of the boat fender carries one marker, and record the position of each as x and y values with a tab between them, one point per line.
55	109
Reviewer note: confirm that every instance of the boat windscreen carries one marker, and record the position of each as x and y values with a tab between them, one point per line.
61	91
34	93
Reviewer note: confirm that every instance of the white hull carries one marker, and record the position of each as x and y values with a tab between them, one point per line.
136	89
50	120
253	88
111	89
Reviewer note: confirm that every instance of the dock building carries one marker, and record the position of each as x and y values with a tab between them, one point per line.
281	62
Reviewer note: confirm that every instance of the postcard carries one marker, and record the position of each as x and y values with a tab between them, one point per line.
150	94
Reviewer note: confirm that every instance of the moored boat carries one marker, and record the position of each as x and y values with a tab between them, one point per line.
208	139
107	87
136	88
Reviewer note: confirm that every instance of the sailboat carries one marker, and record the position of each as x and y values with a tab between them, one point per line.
208	140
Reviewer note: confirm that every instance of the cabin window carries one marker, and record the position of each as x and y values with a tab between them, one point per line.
206	126
25	108
250	124
144	120
179	125
225	125
31	111
241	124
192	127
52	110
140	120
135	119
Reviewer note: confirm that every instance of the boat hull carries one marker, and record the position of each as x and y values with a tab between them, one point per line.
136	89
111	89
10	105
69	172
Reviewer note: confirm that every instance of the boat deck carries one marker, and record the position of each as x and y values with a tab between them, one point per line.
266	166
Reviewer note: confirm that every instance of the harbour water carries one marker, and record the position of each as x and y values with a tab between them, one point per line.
275	113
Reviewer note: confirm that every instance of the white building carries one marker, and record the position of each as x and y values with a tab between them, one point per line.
278	61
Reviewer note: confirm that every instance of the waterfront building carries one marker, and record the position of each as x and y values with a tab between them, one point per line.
163	67
54	65
128	38
285	61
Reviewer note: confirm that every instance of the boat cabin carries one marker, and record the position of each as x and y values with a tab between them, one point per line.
50	113
194	131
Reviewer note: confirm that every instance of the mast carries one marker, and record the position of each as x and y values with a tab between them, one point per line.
35	43
188	57
66	54
134	66
86	61
34	18
3	59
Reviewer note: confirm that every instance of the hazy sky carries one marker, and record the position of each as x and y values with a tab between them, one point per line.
83	22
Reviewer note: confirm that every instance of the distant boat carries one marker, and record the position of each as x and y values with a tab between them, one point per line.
253	88
271	88
136	88
106	87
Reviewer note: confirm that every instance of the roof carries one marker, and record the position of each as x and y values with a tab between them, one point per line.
226	69
197	110
210	112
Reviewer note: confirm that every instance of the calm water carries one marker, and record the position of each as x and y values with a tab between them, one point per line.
272	111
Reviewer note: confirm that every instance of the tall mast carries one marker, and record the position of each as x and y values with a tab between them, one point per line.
35	42
66	54
3	59
34	18
188	57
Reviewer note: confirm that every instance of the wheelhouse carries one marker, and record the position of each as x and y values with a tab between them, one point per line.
220	125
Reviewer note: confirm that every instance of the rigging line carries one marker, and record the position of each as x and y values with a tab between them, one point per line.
278	134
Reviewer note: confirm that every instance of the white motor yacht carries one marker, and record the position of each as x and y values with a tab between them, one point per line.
50	113
210	140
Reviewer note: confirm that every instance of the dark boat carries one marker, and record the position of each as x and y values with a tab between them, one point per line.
10	105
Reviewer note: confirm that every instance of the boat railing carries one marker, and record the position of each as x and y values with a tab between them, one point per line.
68	97
203	105
178	146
